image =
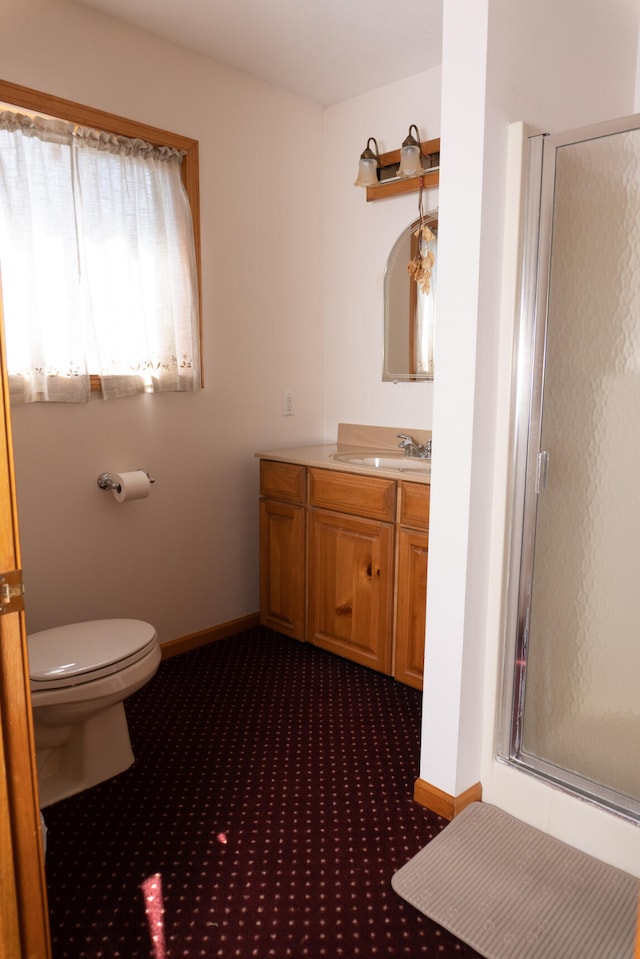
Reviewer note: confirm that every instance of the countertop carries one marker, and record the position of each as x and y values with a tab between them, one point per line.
322	457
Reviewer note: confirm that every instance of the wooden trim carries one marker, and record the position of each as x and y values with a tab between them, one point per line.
443	803
73	112
398	187
205	636
407	185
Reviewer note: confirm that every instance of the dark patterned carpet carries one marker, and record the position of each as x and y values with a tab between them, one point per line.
267	810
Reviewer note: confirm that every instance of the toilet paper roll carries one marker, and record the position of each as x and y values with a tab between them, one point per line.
133	485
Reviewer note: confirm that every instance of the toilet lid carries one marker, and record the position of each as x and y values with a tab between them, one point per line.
66	655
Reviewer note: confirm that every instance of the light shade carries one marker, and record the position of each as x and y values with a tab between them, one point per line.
410	155
368	166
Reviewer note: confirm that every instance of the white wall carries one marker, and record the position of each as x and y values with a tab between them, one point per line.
358	239
451	729
186	558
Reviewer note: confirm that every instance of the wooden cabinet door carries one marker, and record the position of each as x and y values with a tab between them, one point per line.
411	606
282	568
350	584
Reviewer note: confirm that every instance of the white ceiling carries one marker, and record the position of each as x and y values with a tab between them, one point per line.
324	50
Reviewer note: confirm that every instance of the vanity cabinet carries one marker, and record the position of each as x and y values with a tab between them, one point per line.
282	547
343	564
411	583
350	566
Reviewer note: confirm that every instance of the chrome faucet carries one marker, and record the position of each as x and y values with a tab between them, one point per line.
411	448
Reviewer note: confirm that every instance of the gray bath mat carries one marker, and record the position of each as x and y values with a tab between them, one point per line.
513	892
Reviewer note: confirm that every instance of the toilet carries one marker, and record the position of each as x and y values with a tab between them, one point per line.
80	674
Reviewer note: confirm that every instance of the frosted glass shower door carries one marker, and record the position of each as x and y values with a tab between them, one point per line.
580	702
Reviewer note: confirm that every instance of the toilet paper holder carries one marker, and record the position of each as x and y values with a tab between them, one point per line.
106	481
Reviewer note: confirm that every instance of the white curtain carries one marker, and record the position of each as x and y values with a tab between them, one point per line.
98	264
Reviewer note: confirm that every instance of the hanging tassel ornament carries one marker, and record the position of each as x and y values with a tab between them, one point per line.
420	267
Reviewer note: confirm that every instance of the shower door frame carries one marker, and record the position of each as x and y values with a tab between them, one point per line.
527	461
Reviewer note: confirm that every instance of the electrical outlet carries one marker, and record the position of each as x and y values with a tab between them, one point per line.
287	403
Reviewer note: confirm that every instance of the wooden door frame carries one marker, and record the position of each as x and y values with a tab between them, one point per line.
24	925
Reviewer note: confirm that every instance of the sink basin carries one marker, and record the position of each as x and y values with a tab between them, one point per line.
385	460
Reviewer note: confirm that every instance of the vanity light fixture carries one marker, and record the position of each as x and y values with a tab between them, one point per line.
368	165
411	155
400	171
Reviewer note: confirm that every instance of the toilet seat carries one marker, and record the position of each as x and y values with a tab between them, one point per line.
83	652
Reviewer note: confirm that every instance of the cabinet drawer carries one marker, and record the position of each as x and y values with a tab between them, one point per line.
414	505
350	493
283	481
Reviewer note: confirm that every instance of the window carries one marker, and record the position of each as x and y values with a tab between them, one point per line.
98	252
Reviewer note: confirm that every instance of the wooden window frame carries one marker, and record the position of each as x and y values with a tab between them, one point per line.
46	103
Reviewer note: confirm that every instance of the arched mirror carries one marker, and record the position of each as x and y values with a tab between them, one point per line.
410	306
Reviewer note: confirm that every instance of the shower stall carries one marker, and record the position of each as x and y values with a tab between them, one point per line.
572	666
